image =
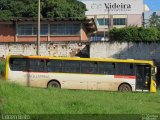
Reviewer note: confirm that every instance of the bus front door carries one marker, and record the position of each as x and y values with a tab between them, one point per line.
143	73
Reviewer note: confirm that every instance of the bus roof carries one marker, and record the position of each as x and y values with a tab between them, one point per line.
86	59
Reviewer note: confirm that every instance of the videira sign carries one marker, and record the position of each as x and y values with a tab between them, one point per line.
95	7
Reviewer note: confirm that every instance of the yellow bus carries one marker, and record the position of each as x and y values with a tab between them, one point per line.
82	73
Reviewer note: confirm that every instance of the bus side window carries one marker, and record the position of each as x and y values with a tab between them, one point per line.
54	65
125	69
106	68
89	67
18	64
36	65
71	66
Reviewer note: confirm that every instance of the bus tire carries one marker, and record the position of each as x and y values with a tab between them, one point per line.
54	84
124	88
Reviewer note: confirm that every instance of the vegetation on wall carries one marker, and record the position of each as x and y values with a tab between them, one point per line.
135	34
49	9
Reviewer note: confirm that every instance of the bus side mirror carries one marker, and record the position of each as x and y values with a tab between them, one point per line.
154	70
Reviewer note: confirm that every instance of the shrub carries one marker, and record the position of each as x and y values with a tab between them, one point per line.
134	34
2	68
148	34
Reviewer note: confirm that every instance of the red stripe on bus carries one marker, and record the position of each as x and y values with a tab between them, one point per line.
125	76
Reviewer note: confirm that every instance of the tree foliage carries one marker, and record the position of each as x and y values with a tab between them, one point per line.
49	9
135	34
154	21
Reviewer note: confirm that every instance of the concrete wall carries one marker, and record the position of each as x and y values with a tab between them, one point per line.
47	49
125	50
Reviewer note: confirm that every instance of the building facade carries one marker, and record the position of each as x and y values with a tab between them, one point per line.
114	13
25	30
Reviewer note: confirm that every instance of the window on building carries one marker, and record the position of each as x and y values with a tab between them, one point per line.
55	29
102	21
119	21
25	29
44	29
98	37
31	29
65	29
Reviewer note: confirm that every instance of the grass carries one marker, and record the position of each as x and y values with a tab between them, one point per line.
15	99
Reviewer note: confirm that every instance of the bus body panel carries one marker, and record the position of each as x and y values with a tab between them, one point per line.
153	86
70	81
18	77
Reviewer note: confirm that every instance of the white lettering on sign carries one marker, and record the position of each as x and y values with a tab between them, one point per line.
118	7
95	7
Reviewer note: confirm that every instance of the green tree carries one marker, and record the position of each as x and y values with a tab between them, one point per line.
49	9
68	9
154	21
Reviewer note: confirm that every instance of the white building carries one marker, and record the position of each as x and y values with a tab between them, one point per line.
114	13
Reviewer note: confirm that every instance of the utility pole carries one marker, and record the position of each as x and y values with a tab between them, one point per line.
108	23
104	21
38	26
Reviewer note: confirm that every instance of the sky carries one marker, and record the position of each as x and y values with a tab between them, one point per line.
154	5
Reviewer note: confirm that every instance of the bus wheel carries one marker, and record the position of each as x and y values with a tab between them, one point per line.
53	84
124	88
